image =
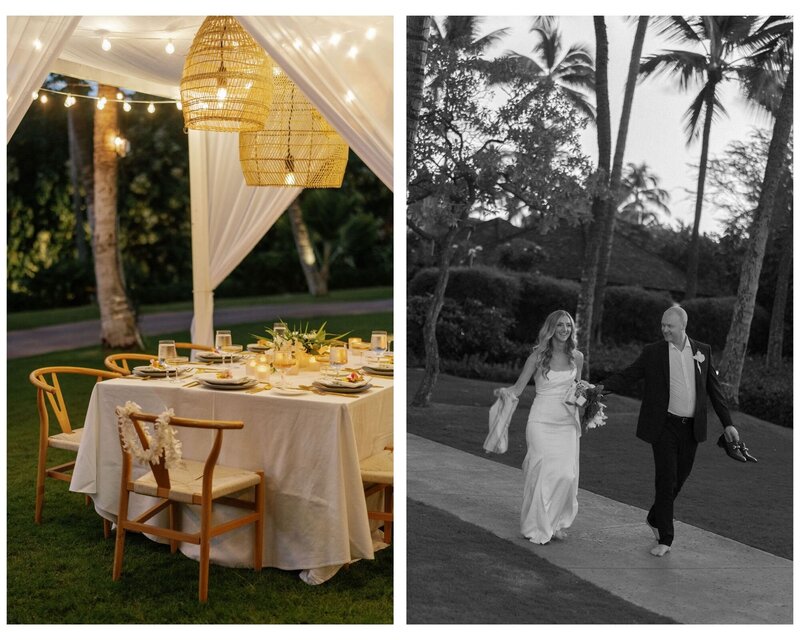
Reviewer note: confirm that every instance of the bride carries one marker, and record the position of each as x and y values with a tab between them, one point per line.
550	470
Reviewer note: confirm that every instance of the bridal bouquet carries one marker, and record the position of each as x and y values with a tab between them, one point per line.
593	414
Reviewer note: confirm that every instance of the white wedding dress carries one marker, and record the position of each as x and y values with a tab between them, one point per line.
550	470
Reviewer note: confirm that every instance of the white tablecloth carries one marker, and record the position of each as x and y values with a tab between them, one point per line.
308	446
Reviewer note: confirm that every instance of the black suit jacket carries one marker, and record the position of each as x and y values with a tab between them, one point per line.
652	366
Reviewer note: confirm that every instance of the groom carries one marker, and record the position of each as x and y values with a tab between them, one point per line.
679	381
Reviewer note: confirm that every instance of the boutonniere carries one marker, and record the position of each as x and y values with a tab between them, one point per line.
699	358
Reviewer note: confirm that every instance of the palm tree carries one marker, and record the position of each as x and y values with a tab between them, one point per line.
774	55
643	200
725	43
118	327
571	72
615	181
417	33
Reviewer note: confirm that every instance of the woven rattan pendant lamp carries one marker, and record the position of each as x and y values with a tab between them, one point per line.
296	147
226	83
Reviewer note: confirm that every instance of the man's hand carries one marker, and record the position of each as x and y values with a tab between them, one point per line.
731	434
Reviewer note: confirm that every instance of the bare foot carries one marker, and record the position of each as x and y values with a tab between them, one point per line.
560	534
659	550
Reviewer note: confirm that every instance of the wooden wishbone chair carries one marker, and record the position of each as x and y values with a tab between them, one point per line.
377	474
201	483
118	362
48	386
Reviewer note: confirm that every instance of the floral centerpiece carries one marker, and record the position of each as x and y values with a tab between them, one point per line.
311	342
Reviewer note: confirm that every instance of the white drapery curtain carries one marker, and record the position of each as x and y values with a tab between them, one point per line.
228	219
26	66
344	66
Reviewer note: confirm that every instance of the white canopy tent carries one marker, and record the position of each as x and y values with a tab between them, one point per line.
343	64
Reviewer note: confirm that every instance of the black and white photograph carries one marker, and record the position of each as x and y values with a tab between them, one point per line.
599	319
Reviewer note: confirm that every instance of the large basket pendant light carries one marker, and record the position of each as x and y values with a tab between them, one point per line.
296	147
226	83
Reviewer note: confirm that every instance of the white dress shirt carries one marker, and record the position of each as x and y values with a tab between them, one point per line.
682	395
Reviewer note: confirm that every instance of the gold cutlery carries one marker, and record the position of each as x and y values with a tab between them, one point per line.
259	388
320	392
193	383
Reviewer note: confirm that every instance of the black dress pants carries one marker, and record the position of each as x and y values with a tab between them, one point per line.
673	454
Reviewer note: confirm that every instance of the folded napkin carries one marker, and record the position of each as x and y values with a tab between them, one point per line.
499	419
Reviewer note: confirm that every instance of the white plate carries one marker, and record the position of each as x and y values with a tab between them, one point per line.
378	372
288	392
147	371
340	383
210	356
251	382
324	387
214	379
258	347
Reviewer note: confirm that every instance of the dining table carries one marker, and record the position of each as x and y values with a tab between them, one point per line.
307	442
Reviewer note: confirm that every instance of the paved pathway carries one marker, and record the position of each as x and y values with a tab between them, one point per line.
705	579
86	333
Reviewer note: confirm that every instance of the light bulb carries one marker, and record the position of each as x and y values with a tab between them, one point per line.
335	39
37	44
315	47
101	104
151	108
106	44
34	95
222	93
371	32
297	43
169	47
126	106
69	101
119	95
352	52
289	180
179	106
43	98
349	96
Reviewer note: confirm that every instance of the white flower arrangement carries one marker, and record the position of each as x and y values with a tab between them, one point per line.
699	358
163	442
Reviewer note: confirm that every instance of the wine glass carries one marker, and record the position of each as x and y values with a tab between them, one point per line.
379	342
283	362
338	358
222	339
166	352
232	349
177	361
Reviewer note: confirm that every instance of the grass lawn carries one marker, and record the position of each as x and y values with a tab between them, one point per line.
32	319
750	503
60	572
494	581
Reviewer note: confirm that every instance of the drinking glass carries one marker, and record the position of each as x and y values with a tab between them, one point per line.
338	358
177	361
283	362
379	342
232	349
166	352
223	339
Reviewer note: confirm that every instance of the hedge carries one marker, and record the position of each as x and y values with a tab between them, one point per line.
489	286
710	320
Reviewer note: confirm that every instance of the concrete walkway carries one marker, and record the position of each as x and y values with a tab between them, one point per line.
705	579
32	342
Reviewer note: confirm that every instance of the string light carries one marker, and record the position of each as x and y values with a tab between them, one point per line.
127	104
371	33
170	48
106	44
349	96
37	44
352	52
335	39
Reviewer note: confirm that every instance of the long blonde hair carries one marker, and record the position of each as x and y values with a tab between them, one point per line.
543	349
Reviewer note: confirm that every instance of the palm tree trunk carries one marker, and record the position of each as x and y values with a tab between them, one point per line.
776	322
607	236
736	342
444	247
316	282
585	310
80	149
694	248
117	321
417	31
